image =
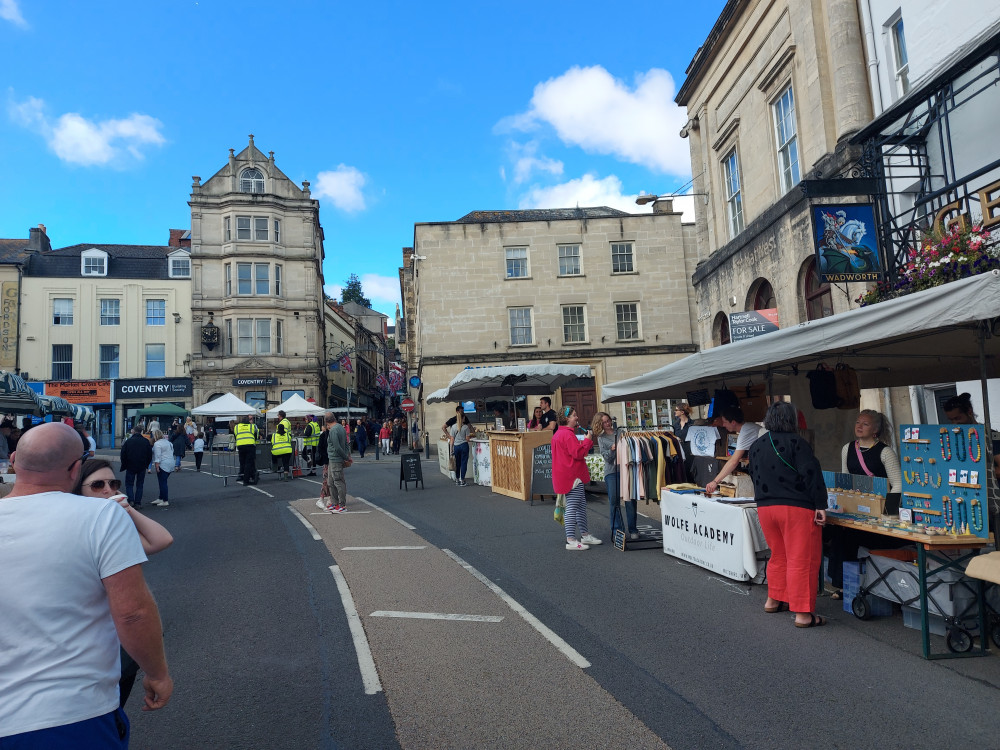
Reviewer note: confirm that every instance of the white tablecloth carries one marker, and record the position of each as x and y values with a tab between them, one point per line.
480	458
724	538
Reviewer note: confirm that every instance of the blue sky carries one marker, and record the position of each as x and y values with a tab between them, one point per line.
395	112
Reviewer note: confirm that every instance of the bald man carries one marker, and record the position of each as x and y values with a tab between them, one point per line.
73	588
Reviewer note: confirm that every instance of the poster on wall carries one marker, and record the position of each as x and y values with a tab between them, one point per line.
846	243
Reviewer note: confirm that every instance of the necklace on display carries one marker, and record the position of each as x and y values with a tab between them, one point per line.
977	515
908	476
949	516
974	433
937	483
962	514
959	452
945	444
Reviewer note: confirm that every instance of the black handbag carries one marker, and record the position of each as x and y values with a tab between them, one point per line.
823	387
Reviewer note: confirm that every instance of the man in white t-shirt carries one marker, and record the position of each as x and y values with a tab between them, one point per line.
73	588
732	420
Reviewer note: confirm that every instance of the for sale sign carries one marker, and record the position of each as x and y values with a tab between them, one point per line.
747	325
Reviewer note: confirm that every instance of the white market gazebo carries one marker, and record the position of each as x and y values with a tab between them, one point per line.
295	406
229	405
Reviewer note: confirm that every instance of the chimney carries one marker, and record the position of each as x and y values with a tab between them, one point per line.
38	240
175	237
663	206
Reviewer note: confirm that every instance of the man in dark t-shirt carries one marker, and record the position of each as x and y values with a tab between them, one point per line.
548	421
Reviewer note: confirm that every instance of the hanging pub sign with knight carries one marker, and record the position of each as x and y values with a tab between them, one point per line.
847	243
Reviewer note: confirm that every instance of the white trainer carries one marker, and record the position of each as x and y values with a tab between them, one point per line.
591	539
575	545
321	505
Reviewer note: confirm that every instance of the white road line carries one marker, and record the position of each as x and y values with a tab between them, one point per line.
564	648
345	513
311	481
397	519
258	489
369	675
312	529
365	549
438	616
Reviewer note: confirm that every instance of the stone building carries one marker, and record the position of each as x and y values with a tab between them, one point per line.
257	283
592	286
773	96
109	327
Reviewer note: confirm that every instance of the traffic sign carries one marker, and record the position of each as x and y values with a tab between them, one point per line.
407	405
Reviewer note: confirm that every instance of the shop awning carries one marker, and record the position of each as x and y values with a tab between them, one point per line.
505	380
927	337
16	397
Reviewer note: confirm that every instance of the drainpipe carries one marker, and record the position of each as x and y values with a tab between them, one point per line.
871	47
17	336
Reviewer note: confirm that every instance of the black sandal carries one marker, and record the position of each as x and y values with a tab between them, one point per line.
815	621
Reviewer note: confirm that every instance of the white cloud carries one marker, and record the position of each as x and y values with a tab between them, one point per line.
591	109
590	190
527	162
343	187
77	140
10	12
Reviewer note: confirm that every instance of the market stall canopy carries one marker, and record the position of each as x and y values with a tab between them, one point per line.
16	397
296	406
229	405
82	413
931	336
56	407
347	411
162	410
439	396
504	380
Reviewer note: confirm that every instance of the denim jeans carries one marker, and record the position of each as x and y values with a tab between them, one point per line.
614	502
162	477
461	460
134	483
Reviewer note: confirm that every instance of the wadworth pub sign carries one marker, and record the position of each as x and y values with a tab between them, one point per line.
847	243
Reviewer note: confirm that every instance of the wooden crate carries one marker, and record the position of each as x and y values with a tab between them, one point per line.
510	461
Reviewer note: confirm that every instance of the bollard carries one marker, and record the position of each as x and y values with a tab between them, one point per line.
427	447
378	444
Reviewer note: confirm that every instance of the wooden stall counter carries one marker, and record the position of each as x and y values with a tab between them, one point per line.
510	461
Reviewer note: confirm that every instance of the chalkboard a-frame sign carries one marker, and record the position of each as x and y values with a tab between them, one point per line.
541	471
410	470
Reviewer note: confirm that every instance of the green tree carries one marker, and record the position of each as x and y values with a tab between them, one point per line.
353	292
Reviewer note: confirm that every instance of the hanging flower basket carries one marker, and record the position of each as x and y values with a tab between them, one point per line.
942	257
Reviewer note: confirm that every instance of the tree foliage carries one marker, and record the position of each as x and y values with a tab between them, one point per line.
353	292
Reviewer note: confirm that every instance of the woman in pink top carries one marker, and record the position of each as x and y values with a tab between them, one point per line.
570	477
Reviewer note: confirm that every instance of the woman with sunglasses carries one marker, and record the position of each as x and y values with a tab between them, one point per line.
97	479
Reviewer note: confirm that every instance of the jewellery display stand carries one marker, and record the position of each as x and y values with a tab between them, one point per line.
945	477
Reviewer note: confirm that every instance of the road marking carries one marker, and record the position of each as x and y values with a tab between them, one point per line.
311	481
258	489
369	675
343	513
438	616
397	519
365	549
564	648
312	529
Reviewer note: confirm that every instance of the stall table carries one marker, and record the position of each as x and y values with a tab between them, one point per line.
722	537
510	461
444	453
934	549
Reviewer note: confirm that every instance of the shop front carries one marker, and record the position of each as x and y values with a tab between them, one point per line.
133	394
93	393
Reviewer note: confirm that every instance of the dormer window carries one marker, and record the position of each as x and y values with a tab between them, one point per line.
251	181
180	265
94	262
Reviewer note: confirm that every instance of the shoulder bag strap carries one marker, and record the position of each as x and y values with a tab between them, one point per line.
861	459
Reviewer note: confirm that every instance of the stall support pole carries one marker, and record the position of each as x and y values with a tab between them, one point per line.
991	488
427	446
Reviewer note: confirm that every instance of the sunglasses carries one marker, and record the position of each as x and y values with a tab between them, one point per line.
98	484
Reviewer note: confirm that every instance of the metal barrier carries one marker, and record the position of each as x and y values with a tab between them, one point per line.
224	459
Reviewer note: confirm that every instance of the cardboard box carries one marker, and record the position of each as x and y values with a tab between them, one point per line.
855	502
985	567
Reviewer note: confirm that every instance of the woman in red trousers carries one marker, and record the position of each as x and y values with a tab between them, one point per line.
791	503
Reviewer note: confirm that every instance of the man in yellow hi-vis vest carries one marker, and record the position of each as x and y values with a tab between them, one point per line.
310	443
246	434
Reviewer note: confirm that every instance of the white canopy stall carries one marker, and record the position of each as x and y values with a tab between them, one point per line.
296	406
228	406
